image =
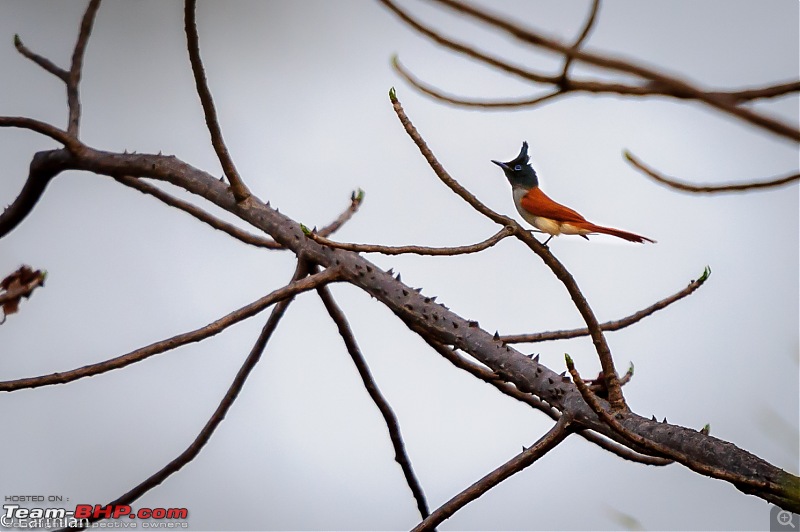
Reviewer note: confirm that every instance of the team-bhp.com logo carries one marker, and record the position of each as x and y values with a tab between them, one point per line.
15	516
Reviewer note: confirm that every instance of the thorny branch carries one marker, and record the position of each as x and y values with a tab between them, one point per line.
512	391
616	422
601	346
573	405
232	230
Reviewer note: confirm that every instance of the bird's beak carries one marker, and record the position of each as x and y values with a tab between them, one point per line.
504	166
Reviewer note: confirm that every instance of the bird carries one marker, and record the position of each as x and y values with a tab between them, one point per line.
545	214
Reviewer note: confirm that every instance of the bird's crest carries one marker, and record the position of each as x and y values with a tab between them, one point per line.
519	171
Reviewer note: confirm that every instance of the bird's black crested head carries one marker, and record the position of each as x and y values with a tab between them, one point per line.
519	171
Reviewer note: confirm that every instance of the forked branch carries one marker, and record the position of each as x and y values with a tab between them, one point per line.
222	409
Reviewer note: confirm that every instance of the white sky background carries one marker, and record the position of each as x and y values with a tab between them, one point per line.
301	90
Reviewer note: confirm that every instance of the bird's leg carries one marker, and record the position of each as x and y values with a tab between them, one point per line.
546	241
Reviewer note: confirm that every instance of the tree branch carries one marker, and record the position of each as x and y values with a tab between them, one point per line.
74	76
587	28
610	325
669	84
389	417
416	250
708	189
282	294
512	391
222	409
199	213
421	313
787	488
43	62
240	191
432	91
527	457
601	346
654	82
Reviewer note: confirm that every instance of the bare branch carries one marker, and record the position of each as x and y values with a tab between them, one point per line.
43	62
424	316
238	187
601	346
587	27
527	457
709	189
490	377
222	409
743	482
770	91
654	82
215	327
59	135
200	214
669	85
356	199
466	102
389	417
417	250
610	325
74	77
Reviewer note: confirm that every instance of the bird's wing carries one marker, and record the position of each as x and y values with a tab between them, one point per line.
538	203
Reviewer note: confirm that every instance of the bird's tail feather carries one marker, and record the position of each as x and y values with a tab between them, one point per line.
625	235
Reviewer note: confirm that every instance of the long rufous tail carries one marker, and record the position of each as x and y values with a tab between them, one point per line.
631	237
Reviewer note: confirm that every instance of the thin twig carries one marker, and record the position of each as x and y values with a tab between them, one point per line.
222	409
232	230
43	62
601	346
389	417
757	93
76	69
553	437
356	199
238	187
201	214
416	250
614	325
466	102
215	327
587	27
709	189
59	135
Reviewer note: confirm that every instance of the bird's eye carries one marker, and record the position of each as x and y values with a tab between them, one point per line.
518	167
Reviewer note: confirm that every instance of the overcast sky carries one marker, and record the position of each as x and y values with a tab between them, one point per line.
301	90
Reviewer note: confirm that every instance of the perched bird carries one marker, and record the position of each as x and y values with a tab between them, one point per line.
545	214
